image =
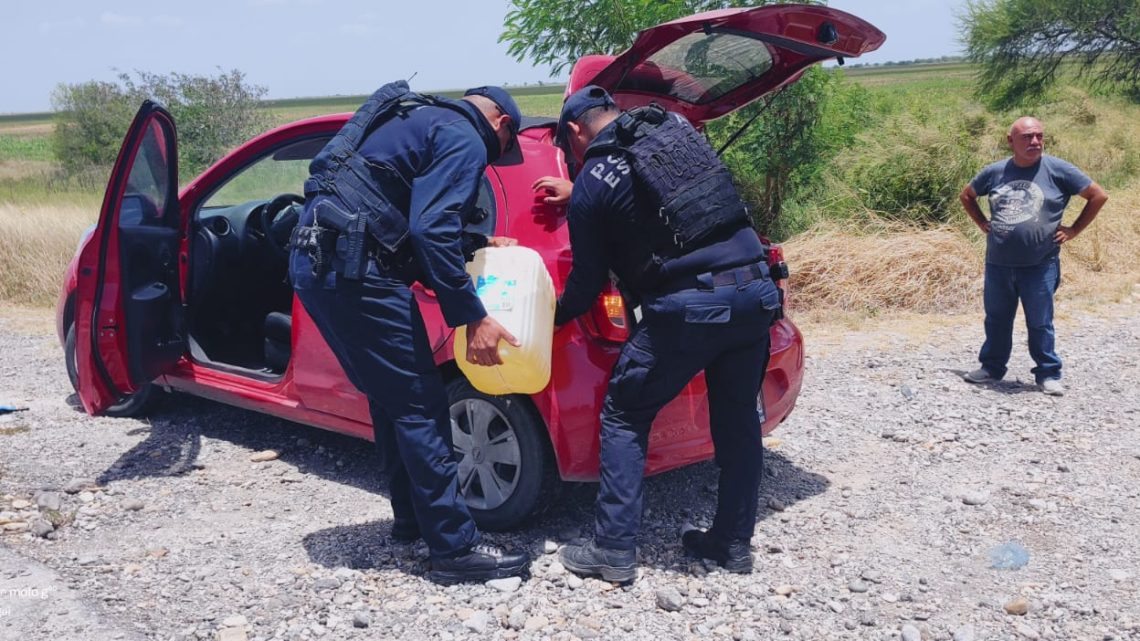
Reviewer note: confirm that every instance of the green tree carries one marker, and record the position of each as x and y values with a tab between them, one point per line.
91	119
556	33
783	151
782	156
213	114
1022	46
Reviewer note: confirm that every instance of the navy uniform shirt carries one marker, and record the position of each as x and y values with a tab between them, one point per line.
604	232
441	156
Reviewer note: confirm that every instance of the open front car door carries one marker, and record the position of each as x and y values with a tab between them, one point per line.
710	64
130	320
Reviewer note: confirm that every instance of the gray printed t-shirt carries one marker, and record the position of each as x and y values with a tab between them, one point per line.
1026	205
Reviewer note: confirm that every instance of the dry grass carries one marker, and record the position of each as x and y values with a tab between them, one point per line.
1103	263
36	243
864	267
878	266
15	170
839	269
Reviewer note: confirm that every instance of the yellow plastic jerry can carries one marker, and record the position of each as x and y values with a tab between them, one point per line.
517	291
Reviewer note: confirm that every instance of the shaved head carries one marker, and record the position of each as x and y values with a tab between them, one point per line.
1026	140
1025	121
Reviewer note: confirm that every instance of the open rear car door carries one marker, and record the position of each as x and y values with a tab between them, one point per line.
130	320
710	64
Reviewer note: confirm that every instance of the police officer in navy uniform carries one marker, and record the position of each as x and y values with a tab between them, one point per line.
653	204
386	203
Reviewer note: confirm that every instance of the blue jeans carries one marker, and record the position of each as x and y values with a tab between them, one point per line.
723	331
1034	286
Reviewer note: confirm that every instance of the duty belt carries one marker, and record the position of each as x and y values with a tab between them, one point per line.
709	280
326	248
318	242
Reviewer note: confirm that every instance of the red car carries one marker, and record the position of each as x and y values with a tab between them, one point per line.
186	290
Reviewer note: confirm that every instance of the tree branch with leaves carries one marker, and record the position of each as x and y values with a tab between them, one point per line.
1023	46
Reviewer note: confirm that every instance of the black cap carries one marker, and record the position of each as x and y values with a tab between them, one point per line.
579	103
506	104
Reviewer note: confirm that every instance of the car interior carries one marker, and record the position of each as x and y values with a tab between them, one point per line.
240	299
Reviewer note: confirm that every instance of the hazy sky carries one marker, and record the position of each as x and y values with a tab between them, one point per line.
325	47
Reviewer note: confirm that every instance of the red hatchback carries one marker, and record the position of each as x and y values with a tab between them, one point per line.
186	290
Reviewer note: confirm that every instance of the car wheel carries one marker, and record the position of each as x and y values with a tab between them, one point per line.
135	404
500	443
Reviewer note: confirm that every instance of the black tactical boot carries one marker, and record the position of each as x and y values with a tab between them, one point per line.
483	562
734	556
618	566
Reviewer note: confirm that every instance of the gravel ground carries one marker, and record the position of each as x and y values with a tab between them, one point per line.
885	493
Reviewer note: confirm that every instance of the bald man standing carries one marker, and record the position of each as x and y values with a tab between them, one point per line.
1027	195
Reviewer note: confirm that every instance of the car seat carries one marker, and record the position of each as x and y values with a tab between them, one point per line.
278	341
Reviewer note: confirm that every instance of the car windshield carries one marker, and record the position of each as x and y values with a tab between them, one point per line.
699	68
282	172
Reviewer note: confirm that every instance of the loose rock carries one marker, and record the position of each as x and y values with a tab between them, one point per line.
509	584
977	497
1017	607
669	600
964	633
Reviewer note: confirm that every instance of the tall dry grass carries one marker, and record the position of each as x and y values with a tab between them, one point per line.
867	265
872	265
1103	263
36	243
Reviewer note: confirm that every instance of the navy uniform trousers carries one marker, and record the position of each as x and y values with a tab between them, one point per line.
375	330
723	330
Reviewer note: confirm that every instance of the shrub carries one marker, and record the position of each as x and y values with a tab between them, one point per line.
212	113
90	122
915	172
785	151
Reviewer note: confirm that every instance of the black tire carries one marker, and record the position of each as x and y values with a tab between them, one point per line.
137	404
526	467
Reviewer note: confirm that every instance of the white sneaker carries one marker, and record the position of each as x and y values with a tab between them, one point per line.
1053	387
979	375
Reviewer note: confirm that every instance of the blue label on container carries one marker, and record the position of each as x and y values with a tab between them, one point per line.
496	293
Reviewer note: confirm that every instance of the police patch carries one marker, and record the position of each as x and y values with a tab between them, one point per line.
611	170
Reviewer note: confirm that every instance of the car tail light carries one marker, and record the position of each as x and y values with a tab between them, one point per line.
779	270
609	318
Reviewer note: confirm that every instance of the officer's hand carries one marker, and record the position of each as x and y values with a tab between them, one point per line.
483	338
559	189
501	241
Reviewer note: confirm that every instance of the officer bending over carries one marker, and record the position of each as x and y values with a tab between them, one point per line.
653	204
385	206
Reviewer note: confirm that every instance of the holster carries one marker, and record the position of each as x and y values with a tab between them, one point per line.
352	247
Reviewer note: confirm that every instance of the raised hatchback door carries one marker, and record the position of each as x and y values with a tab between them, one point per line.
130	321
711	64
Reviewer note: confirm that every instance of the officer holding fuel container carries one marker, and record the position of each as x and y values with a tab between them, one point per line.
653	204
385	206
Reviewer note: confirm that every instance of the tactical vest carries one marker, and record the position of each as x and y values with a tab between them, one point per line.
690	189
363	187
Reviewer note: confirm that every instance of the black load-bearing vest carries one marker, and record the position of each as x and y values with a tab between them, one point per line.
363	187
693	198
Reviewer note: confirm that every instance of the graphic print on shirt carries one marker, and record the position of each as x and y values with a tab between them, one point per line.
1012	204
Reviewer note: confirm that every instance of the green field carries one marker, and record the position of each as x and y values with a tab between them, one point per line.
533	101
896	74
